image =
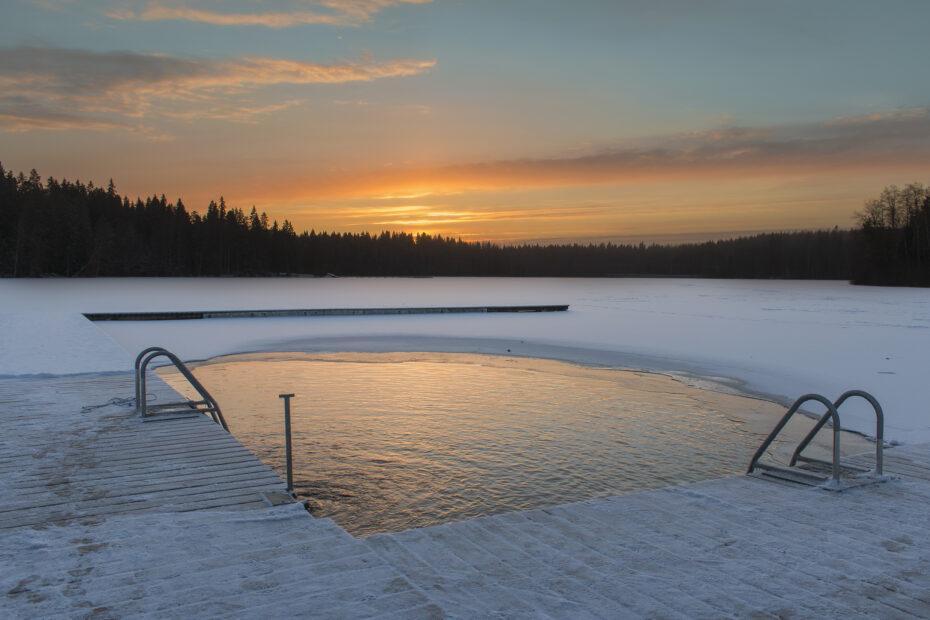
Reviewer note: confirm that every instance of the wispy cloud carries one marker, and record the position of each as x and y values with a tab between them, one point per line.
23	114
41	86
328	12
865	139
157	12
364	9
242	113
889	138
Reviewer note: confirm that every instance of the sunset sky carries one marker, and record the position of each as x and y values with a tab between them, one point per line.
505	120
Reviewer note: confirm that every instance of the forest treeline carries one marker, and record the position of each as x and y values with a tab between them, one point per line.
64	228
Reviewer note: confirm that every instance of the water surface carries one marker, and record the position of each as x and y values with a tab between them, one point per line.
390	441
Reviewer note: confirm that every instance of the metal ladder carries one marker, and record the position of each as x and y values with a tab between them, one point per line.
179	409
833	475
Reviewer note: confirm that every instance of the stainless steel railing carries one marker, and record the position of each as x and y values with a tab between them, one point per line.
207	404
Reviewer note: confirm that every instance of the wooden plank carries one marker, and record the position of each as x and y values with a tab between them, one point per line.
133	425
159	453
166	495
68	478
171	501
37	490
206	439
113	492
129	461
251	499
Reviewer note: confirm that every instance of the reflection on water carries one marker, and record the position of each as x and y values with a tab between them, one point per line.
386	442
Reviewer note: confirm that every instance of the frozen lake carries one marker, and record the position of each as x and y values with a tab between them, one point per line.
777	338
387	442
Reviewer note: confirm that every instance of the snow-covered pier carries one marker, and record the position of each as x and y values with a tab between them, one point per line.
63	461
105	516
102	515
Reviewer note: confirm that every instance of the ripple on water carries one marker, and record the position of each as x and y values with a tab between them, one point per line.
390	441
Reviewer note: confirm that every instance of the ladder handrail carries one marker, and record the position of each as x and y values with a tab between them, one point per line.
213	405
879	427
831	412
152	353
142	362
142	365
140	395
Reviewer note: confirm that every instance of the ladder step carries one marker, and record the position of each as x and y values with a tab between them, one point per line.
792	475
180	403
171	416
849	467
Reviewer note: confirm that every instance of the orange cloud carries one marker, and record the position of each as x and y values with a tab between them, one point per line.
155	12
38	84
336	13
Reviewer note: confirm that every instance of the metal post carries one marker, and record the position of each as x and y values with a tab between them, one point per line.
287	441
836	450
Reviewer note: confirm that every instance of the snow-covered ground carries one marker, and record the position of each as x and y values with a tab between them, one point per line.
770	337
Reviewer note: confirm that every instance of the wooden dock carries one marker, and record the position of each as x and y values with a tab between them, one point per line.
104	516
57	467
313	312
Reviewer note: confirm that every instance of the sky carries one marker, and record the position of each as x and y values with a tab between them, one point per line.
503	120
